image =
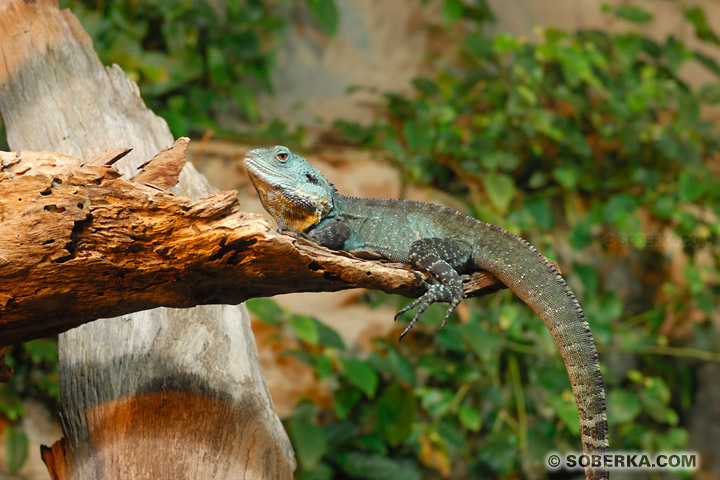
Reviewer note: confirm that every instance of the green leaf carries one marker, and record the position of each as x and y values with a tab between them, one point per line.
246	99
664	206
633	14
42	350
452	435
217	67
675	438
500	189
426	86
480	44
589	278
309	442
485	343
470	418
689	188
393	362
266	310
499	160
581	235
619	208
655	397
696	283
395	411
306	328
696	16
342	433
371	443
329	337
566	410
566	176
325	12
418	136
623	406
527	94
377	467
708	62
499	453
361	375
16	448
344	399
504	43
323	366
436	401
453	10
401	367
676	53
575	65
451	338
541	212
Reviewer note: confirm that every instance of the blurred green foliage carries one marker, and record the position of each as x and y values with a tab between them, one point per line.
192	60
36	376
196	61
589	144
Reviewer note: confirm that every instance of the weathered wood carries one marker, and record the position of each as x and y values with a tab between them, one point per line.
194	371
165	167
79	243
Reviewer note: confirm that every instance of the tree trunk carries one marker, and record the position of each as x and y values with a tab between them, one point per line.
157	394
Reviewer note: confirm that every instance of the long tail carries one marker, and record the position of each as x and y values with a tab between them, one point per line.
537	282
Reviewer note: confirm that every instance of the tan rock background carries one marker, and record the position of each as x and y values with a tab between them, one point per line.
382	46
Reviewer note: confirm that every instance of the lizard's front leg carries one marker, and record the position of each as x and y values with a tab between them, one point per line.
331	234
441	257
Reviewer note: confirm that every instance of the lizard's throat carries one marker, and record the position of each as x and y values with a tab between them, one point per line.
288	210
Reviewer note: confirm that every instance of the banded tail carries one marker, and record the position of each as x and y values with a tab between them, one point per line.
538	283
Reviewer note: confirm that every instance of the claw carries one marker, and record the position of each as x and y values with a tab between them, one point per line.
450	310
417	316
434	294
414	304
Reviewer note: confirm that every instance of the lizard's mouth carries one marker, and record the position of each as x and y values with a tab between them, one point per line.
255	168
263	176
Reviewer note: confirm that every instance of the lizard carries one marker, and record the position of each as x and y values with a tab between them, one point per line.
443	243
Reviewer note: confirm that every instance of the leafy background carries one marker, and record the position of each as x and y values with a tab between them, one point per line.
590	144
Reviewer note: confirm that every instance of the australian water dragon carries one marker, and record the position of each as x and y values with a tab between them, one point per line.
444	243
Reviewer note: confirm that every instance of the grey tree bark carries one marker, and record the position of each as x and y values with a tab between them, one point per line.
162	393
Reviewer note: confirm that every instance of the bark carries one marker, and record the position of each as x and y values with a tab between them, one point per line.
163	393
79	242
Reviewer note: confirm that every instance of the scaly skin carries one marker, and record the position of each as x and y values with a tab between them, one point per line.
444	243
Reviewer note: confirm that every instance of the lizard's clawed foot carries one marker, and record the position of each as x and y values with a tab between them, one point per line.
435	293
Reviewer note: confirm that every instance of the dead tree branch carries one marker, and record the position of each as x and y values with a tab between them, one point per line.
80	243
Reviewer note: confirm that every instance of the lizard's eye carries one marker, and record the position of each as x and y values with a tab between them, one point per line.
281	156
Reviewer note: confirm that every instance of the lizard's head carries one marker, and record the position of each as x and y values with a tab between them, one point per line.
290	189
